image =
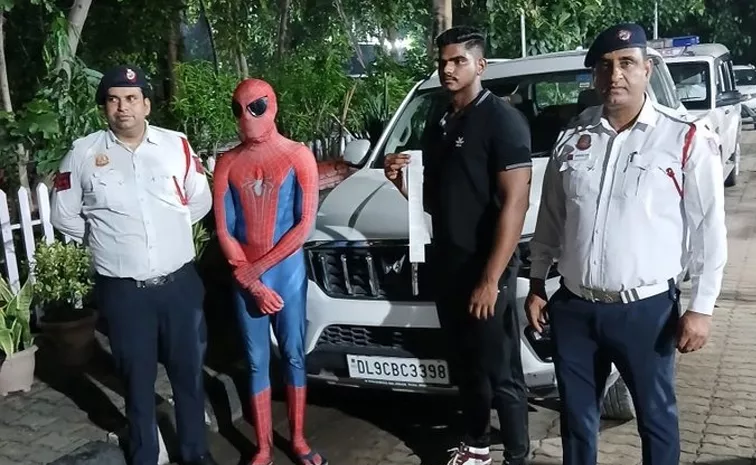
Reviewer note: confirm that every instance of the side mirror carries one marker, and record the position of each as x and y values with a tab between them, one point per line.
732	97
356	151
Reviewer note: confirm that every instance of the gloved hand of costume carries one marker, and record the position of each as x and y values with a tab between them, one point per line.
268	300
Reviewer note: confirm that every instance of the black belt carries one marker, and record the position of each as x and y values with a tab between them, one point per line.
157	281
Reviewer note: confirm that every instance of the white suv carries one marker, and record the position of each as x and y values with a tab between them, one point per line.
745	81
371	320
705	83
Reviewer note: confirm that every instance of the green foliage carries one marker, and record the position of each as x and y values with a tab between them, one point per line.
15	316
311	86
62	110
200	236
63	275
203	105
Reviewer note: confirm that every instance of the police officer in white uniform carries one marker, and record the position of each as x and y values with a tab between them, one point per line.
132	193
633	195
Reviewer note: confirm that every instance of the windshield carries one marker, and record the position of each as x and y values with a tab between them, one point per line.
745	77
549	101
692	84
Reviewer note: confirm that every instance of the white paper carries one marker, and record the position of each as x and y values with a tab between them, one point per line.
419	232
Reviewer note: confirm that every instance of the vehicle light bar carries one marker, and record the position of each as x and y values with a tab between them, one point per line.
674	42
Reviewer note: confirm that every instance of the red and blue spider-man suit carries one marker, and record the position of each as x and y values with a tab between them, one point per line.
265	199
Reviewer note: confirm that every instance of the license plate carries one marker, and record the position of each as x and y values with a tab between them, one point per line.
397	370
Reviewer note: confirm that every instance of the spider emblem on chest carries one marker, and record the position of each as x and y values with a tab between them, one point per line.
258	184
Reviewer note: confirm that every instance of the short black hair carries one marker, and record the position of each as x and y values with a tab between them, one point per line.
467	35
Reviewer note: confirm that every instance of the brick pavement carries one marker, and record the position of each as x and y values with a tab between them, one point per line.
62	412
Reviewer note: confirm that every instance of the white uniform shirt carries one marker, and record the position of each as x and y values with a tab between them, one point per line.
134	210
619	211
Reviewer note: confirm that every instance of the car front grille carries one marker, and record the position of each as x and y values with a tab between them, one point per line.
380	270
419	342
377	271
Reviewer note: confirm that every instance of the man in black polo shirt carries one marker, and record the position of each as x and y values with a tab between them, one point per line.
476	186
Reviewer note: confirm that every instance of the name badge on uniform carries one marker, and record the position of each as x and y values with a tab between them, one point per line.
101	160
578	156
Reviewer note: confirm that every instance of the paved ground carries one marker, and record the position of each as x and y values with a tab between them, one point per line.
716	388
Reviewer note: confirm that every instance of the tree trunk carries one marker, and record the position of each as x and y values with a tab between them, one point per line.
173	56
391	36
442	16
4	87
242	61
76	18
23	155
283	26
350	33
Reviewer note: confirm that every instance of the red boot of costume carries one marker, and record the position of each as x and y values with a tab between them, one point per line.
297	403
262	417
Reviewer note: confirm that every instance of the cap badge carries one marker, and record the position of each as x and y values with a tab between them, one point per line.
624	35
130	74
584	143
101	160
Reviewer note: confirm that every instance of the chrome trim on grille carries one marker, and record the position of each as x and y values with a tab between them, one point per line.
373	281
347	282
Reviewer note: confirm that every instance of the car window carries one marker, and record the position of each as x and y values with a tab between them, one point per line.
692	84
548	101
728	80
662	85
745	77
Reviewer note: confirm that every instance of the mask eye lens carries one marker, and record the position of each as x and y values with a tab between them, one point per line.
258	107
236	108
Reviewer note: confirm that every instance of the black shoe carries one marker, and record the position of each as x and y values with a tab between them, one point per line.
206	459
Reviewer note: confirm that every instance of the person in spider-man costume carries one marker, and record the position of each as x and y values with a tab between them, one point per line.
265	200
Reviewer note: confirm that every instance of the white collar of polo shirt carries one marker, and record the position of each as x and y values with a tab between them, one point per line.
646	118
151	136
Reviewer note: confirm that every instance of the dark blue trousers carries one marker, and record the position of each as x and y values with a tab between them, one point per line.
640	339
168	320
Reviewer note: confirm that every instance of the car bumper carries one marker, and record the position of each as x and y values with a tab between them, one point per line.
338	328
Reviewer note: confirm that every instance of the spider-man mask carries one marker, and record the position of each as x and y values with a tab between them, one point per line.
255	107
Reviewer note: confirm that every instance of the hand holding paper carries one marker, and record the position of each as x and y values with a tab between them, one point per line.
419	231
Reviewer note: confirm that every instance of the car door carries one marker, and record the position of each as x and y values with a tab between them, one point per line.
727	102
662	86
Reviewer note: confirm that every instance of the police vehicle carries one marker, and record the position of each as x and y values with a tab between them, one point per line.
705	83
371	320
745	81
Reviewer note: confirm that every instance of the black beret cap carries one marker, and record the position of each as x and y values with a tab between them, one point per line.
121	76
617	37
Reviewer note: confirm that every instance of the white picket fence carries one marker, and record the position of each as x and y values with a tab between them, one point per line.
27	224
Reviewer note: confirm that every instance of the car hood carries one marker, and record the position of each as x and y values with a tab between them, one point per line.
750	90
366	206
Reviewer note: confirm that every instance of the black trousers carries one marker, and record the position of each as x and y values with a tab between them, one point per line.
484	355
640	339
165	320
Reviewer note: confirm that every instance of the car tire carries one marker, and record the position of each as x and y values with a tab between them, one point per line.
732	179
618	403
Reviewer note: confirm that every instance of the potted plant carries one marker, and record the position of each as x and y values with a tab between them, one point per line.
16	343
63	283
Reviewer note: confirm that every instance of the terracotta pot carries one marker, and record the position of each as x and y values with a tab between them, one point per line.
73	341
17	372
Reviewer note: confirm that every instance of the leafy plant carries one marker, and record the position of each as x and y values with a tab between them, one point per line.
15	332
203	105
63	278
200	236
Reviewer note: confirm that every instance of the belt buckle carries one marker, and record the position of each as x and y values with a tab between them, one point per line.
598	295
152	282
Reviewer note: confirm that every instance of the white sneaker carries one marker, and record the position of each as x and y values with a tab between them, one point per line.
465	455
